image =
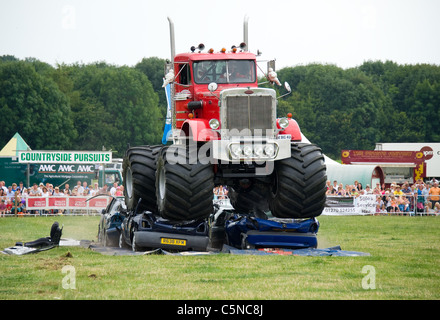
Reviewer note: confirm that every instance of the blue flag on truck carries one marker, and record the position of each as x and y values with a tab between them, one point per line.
167	130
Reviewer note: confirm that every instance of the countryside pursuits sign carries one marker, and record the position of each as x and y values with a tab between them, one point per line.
83	157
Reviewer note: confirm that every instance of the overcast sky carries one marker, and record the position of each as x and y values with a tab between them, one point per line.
122	32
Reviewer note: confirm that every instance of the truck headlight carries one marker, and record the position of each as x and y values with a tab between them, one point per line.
258	150
269	150
284	123
235	150
247	151
214	124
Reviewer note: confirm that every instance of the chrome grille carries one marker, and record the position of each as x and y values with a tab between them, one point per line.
249	112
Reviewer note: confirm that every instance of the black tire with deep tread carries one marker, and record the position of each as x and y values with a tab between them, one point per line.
187	185
299	188
141	162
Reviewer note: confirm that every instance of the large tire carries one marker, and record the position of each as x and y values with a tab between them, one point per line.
139	174
299	186
184	186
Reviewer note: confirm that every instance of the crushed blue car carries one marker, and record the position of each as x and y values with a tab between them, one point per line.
246	231
249	232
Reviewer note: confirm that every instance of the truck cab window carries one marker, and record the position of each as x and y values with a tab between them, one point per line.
224	71
185	75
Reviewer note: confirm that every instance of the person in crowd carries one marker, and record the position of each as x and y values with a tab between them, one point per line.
8	206
331	191
434	195
67	192
79	187
341	192
354	192
113	188
3	186
103	190
380	206
327	184
86	192
45	192
85	187
403	204
397	191
34	192
94	191
21	187
2	206
119	191
74	191
394	204
368	190
58	193
24	196
10	194
437	209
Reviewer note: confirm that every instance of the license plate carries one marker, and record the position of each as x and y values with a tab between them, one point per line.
284	137
174	242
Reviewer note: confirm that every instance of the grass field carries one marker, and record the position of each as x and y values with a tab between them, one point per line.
404	264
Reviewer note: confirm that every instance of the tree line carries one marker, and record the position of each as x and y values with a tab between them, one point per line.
95	106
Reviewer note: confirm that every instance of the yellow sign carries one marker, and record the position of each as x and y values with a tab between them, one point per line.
174	242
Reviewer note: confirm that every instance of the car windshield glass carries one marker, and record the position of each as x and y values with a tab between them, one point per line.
224	71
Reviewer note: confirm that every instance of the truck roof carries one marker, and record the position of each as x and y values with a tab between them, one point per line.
194	56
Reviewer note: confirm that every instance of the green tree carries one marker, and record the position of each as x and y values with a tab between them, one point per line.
32	105
154	69
113	106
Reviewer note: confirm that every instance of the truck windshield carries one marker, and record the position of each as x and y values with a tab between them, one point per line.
224	71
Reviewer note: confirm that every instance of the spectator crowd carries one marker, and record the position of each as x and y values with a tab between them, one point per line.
13	197
420	197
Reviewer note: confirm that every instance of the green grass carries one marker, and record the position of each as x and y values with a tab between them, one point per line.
404	252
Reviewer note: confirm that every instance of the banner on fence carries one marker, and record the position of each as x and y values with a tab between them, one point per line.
361	205
50	203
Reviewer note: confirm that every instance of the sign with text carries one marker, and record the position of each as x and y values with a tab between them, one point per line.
361	205
84	157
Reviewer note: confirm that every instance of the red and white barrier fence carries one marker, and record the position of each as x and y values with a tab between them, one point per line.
66	203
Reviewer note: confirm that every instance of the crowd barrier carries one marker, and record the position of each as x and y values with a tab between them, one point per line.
373	204
64	204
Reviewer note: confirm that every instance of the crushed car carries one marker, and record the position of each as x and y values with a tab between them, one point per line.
145	230
112	216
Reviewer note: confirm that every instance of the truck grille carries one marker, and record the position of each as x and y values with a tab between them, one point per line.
249	112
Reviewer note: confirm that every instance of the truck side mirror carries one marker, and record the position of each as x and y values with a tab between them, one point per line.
270	65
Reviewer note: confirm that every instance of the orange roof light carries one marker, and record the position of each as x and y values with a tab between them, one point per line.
211	50
223	50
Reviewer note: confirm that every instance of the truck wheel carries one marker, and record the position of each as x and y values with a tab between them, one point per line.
298	189
139	174
184	186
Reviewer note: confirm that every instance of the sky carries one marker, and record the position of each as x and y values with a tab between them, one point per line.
122	32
